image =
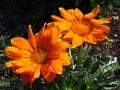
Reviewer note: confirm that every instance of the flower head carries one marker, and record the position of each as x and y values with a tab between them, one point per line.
43	53
78	28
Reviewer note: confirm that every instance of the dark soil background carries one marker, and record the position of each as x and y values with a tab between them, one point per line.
115	32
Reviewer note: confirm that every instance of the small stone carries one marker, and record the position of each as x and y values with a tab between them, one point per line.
115	35
115	17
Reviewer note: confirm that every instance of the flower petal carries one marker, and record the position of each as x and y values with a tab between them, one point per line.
13	52
26	77
56	67
31	38
100	36
24	69
92	14
21	43
58	19
37	72
90	38
64	59
65	14
46	73
69	36
54	52
95	22
71	11
53	35
60	46
20	62
78	14
100	29
62	26
77	41
50	77
9	64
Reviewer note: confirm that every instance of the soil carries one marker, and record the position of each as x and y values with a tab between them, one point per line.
115	33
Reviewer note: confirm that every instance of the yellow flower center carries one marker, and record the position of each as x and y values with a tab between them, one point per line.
81	28
39	55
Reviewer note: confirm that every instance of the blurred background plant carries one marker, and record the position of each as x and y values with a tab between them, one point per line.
94	72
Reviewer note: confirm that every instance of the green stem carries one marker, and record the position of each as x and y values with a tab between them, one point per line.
71	58
56	85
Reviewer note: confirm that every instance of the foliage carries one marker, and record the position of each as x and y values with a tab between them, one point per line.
90	73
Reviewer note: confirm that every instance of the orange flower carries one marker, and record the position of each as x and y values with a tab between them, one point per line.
78	28
43	53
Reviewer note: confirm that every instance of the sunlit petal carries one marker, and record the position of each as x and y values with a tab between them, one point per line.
92	14
78	14
13	52
90	38
31	38
65	14
77	40
21	43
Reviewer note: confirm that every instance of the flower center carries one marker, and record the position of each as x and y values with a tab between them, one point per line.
39	55
81	28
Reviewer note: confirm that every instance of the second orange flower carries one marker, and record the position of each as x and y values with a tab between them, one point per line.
78	28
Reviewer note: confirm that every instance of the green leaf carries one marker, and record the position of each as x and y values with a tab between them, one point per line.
4	82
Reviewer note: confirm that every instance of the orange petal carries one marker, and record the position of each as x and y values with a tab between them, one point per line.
62	26
27	68
31	38
78	14
36	37
54	33
21	43
90	38
77	41
72	12
59	19
40	36
95	22
13	52
92	14
37	72
100	29
50	77
60	46
100	37
56	67
21	62
45	70
26	77
64	59
65	14
50	34
53	52
9	64
68	37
